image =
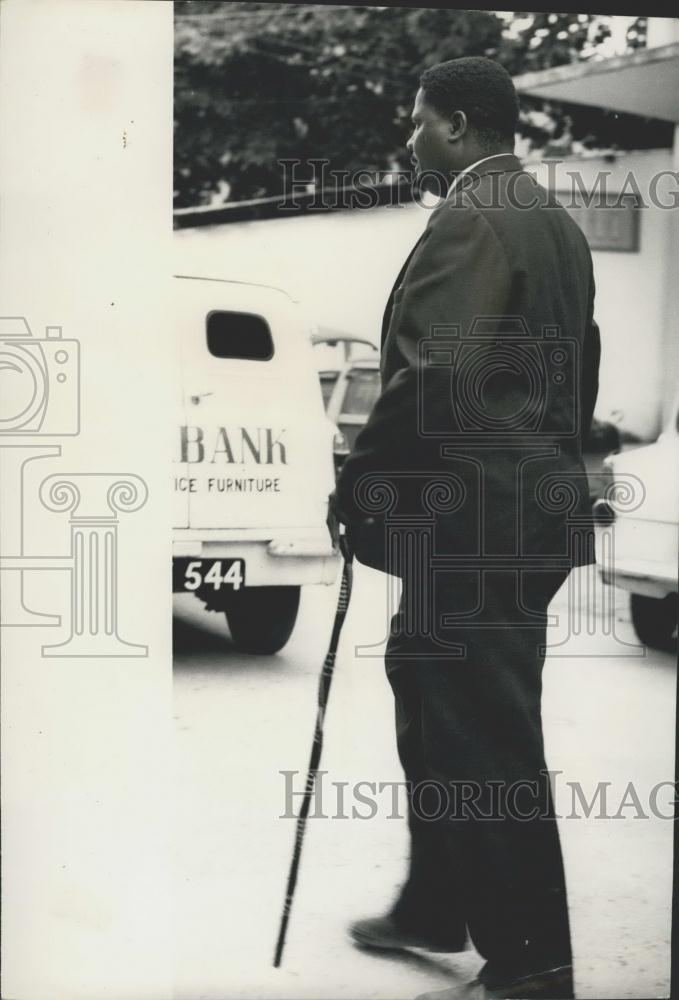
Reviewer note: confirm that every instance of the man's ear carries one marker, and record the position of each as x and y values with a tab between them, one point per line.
458	126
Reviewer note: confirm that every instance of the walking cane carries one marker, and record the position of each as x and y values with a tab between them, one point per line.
324	683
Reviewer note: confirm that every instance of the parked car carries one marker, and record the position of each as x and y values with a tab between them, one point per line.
350	389
645	531
323	336
603	439
254	461
356	391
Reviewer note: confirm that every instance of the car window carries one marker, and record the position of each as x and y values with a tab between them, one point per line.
238	335
328	380
363	387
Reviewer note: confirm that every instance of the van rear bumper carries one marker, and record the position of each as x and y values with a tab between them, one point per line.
286	557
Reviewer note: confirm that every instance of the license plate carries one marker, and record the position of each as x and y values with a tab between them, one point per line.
211	574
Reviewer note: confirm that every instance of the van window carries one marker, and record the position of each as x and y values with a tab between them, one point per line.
239	335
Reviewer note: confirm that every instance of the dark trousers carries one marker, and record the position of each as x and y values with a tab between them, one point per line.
485	852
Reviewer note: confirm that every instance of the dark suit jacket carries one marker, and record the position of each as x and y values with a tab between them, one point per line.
489	370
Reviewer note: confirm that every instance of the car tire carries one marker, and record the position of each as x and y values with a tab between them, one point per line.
655	620
261	619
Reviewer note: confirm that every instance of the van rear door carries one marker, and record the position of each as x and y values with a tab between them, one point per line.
256	445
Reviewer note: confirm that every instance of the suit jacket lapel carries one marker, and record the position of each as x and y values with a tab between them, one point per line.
390	301
499	164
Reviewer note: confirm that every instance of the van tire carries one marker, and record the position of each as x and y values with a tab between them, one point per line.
655	620
261	619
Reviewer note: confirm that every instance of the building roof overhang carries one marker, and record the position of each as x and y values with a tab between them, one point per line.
645	82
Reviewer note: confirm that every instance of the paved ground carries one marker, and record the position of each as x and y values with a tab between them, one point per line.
240	720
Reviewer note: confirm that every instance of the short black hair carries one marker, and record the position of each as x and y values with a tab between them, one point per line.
480	87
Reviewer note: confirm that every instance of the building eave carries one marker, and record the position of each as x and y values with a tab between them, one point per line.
645	82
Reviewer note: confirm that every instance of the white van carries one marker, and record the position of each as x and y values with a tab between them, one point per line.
253	464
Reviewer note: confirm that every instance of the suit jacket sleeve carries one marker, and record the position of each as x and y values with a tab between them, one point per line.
459	272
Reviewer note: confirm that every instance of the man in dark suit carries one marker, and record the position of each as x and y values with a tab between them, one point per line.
467	481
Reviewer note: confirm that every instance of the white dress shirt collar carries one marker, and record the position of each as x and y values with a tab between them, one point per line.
468	170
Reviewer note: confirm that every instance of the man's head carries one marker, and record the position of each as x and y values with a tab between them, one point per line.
464	110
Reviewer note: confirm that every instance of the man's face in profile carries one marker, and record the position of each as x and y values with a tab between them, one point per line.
429	145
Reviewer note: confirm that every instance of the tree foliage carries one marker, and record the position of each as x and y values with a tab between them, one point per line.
256	83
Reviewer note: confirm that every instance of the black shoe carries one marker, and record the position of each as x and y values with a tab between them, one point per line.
554	983
381	933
